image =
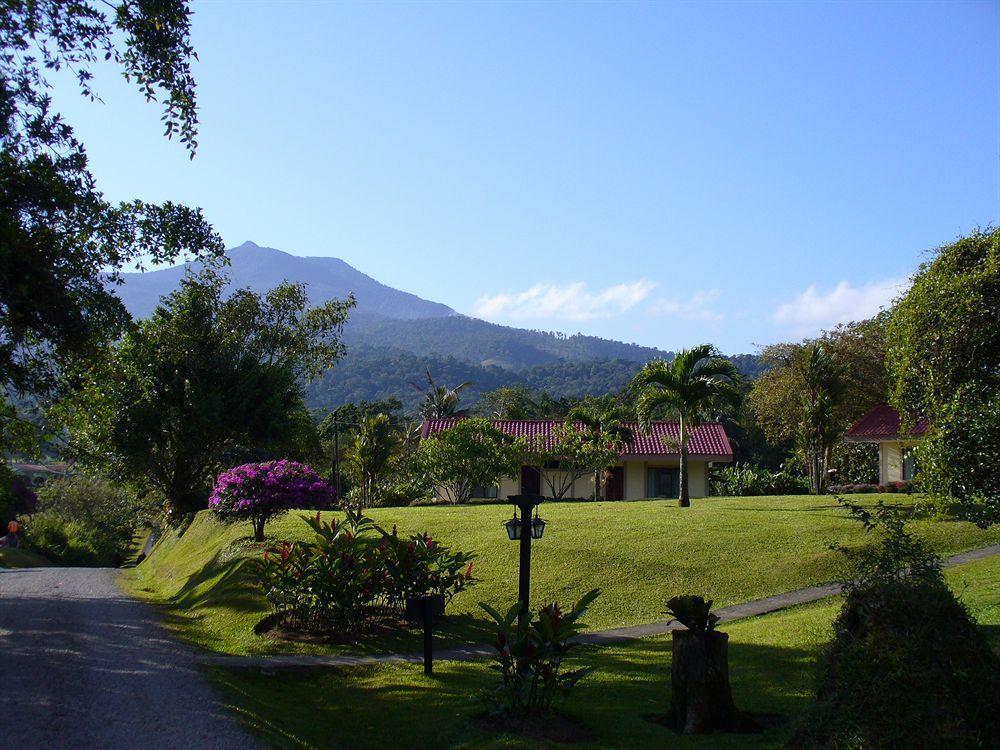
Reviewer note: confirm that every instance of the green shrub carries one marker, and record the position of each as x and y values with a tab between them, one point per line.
856	463
46	534
421	565
861	489
739	481
908	666
97	519
16	496
402	489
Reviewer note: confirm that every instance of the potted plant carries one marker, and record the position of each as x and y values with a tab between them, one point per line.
701	697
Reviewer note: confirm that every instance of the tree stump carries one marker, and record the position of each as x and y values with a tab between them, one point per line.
701	700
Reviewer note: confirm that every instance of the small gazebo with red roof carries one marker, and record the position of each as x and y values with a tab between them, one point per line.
884	426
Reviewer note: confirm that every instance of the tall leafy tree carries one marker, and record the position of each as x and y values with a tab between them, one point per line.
62	244
856	351
471	454
697	384
206	382
569	454
603	435
370	457
944	362
818	429
510	402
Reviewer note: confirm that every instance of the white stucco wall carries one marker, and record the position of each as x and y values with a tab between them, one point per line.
635	481
890	460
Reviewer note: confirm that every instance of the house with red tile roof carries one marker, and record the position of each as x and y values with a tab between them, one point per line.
647	467
883	425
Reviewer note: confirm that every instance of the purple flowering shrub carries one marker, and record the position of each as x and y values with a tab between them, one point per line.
352	573
258	492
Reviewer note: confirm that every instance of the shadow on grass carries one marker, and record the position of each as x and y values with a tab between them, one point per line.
221	582
395	706
226	581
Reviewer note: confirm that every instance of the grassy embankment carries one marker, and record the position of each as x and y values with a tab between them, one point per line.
727	549
390	707
22	558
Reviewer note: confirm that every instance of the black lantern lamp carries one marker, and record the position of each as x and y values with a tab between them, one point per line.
513	527
537	526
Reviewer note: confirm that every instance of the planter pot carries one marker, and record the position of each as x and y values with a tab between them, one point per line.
414	611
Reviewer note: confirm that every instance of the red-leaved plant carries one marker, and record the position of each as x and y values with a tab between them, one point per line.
529	657
353	571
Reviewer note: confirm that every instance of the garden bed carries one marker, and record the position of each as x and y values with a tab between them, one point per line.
555	727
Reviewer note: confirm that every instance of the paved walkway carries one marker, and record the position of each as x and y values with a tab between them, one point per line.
85	666
599	638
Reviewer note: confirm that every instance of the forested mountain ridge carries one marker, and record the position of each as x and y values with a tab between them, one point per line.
385	316
371	373
394	337
481	343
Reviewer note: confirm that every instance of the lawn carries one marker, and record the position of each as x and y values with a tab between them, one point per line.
728	549
385	707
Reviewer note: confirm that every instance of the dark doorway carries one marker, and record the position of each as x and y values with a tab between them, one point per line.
531	481
614	483
662	481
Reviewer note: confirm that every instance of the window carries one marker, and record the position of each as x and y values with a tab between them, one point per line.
662	482
909	464
486	492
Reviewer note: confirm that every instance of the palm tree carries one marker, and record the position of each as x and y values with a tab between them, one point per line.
370	455
696	385
601	427
819	430
439	401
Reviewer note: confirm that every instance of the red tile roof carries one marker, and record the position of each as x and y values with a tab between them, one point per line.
882	423
708	441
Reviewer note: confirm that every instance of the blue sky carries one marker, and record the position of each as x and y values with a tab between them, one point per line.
661	173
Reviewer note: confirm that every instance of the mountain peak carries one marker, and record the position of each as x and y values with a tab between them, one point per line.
262	268
251	245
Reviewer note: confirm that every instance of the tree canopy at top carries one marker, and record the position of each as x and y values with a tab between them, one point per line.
61	242
944	362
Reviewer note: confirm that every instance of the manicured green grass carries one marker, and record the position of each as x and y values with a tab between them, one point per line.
772	664
728	549
22	558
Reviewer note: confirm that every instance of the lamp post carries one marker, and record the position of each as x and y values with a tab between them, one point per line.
523	530
336	448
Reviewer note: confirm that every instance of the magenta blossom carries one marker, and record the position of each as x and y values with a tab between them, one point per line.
257	492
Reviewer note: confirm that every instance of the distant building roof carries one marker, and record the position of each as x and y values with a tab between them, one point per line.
706	441
26	468
882	422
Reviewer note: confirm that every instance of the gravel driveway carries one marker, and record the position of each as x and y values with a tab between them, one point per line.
84	666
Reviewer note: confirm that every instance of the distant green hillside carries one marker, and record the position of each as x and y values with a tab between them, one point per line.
481	343
371	373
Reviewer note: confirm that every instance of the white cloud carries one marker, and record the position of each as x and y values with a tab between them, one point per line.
813	310
563	302
698	307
